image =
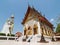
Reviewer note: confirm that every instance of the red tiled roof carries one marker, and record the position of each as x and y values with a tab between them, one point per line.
39	16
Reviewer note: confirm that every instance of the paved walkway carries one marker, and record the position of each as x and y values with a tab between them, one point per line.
9	42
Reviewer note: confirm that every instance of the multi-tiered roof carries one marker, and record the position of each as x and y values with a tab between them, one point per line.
38	15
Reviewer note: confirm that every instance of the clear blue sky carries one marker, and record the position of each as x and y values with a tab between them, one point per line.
49	8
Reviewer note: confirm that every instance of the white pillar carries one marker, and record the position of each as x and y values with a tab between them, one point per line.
23	29
39	29
32	30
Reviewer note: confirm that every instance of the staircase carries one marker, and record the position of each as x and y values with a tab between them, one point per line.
35	38
29	38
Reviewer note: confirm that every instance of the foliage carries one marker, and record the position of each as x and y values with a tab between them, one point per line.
2	34
58	28
11	35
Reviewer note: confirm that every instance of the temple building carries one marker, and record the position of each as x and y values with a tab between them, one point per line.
34	23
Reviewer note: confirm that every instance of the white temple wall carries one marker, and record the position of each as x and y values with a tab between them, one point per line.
31	23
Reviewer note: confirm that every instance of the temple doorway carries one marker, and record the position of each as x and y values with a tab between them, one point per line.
35	29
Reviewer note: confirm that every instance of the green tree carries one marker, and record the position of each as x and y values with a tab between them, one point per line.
58	28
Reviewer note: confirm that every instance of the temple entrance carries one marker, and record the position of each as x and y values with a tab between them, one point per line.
25	31
35	29
29	30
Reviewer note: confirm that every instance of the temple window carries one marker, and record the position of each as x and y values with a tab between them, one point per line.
50	32
24	32
29	30
42	31
46	31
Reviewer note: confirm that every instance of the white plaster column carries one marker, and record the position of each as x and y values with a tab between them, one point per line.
23	29
24	26
39	29
34	22
32	31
